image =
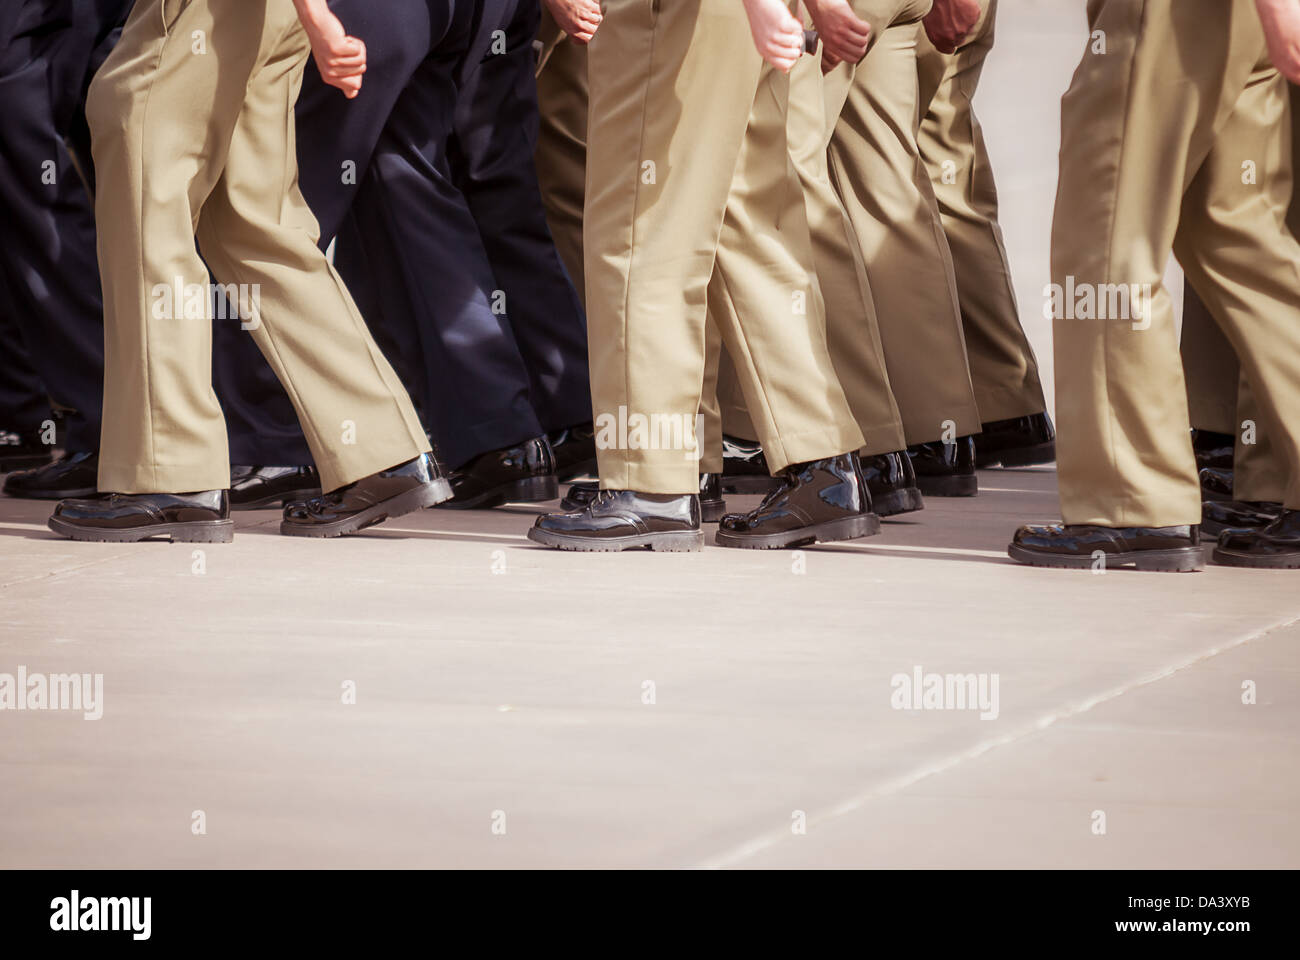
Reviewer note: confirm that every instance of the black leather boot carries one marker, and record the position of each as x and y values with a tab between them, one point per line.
76	475
575	451
818	502
390	493
524	473
892	483
712	505
945	469
1220	515
744	468
1084	546
1275	547
1019	442
254	487
131	517
624	519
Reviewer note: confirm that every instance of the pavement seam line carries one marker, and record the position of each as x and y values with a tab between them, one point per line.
77	568
772	838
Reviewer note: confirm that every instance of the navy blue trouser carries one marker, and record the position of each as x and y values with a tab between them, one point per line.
24	405
426	181
49	49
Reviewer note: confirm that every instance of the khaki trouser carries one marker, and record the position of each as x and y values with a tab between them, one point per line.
1219	397
852	328
1003	368
561	153
192	119
876	167
1154	135
689	186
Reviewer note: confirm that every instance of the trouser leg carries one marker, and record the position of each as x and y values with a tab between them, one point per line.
228	164
700	212
876	167
492	165
1003	368
1133	144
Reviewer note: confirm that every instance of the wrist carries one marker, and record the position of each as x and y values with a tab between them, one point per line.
311	13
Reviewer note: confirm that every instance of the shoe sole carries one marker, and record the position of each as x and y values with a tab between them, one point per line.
749	484
891	504
73	494
689	541
847	528
281	499
426	495
194	531
527	490
1035	456
1227	558
949	486
1179	560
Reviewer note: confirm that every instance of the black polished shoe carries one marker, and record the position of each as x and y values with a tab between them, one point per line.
254	487
744	468
1018	442
712	505
1220	515
76	475
575	451
1084	546
394	492
892	483
23	451
945	469
131	517
1216	483
1213	449
1275	547
818	502
623	519
524	473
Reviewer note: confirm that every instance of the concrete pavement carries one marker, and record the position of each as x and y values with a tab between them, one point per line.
642	709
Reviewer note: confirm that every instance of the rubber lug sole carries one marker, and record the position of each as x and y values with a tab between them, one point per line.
891	504
426	495
687	541
1229	558
1178	560
196	531
833	531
